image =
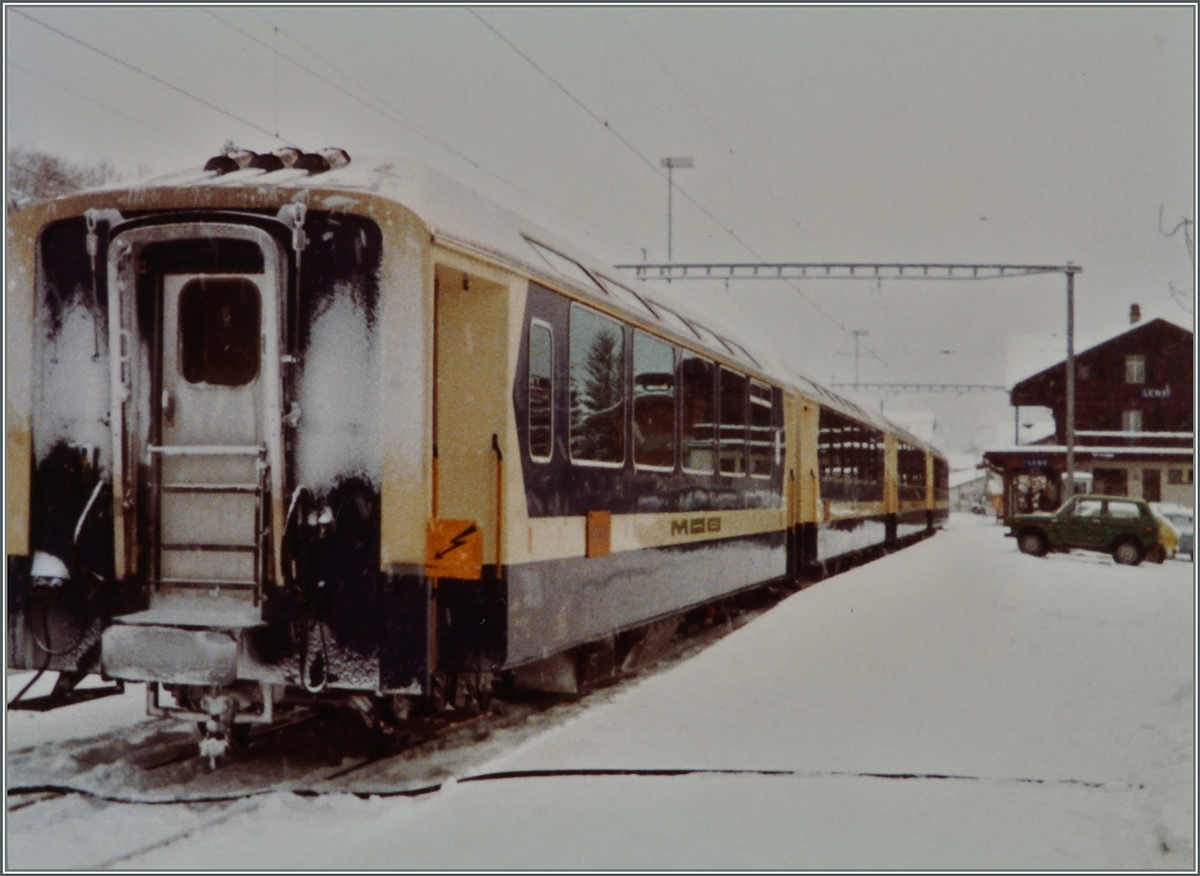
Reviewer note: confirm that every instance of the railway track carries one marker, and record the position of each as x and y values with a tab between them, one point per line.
322	752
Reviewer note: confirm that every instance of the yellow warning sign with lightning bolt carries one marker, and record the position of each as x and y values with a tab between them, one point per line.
454	549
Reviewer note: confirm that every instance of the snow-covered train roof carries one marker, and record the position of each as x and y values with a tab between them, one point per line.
458	215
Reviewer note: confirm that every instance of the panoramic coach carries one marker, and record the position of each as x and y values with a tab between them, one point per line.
295	429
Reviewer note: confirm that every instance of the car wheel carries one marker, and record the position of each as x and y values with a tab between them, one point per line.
1157	554
1032	543
1127	553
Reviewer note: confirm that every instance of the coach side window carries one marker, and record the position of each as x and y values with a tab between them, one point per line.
597	388
697	376
762	436
541	391
731	437
653	402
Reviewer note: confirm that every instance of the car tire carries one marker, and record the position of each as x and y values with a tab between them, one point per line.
1033	543
1157	555
1128	553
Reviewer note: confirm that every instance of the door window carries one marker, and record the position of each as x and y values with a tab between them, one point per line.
219	331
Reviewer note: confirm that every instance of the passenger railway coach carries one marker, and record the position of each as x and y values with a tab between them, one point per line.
292	426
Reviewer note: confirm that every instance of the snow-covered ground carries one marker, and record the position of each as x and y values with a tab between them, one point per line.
956	705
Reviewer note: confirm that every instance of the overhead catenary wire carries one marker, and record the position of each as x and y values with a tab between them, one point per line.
388	111
277	136
766	189
653	168
97	102
151	76
397	118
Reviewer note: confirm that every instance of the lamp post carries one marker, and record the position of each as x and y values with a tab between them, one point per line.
670	164
1071	271
858	333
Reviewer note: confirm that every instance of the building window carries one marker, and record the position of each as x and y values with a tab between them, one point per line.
1135	369
541	392
1175	476
1131	421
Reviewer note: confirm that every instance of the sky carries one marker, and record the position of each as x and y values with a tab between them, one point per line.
1021	135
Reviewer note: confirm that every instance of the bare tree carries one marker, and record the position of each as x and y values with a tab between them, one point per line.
35	176
1182	297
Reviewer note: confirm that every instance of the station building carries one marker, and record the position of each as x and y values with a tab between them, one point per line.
1133	423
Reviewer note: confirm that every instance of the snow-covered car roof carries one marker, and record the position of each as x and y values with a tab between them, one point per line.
457	215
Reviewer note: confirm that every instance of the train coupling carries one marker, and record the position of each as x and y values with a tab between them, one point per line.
218	728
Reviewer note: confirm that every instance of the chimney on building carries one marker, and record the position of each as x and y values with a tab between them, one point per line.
1135	314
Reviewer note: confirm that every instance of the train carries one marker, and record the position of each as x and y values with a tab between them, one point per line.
296	429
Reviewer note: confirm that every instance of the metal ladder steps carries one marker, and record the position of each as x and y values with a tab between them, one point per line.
205	583
228	548
249	489
208	450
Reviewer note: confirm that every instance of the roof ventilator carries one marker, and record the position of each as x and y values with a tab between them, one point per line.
323	160
278	160
228	163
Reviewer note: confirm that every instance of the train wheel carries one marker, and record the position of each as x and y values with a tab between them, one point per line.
472	692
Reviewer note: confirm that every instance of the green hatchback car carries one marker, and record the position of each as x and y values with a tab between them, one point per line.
1124	527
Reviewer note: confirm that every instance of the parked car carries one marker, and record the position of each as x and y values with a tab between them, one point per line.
1126	528
1181	519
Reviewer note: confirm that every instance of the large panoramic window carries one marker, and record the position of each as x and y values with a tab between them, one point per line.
698	379
910	465
731	438
762	436
653	402
219	321
541	392
597	387
850	459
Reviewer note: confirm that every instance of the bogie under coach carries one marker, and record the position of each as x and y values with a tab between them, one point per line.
293	429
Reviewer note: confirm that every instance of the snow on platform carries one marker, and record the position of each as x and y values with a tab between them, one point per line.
955	705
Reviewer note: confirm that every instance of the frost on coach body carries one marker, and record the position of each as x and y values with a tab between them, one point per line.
291	427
